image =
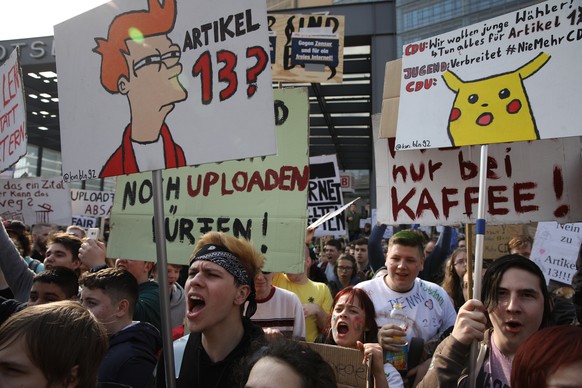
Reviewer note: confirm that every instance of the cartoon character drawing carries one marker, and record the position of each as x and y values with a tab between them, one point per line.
140	61
495	109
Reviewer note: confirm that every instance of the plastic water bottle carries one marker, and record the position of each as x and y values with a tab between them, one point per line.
398	359
398	317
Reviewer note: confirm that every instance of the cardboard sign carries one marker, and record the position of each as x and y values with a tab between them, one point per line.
91	203
306	48
13	137
489	82
526	181
36	200
325	195
497	237
147	85
555	250
262	199
346	363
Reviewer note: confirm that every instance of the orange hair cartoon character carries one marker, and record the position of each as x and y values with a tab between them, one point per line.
495	109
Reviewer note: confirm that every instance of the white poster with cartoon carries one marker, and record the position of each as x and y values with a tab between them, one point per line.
511	78
156	84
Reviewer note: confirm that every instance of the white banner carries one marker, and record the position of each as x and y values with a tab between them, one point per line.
526	181
491	82
36	200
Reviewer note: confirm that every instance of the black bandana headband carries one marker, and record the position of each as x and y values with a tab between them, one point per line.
221	256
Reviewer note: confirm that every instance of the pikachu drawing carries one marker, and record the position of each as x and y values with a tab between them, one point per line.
494	109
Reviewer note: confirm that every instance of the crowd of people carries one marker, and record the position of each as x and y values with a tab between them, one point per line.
71	316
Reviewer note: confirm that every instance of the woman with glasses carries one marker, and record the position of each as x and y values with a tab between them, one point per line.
345	274
456	267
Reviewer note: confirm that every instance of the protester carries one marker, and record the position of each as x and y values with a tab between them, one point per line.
220	282
520	245
19	234
287	364
63	251
58	344
279	312
333	250
177	299
76	230
435	257
51	285
315	297
345	274
353	221
352	324
455	269
427	306
40	234
111	295
516	303
147	308
365	271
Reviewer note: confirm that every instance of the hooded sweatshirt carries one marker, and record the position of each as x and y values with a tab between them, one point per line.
131	357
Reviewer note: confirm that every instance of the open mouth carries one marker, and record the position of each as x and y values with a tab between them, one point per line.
513	325
195	304
343	328
485	119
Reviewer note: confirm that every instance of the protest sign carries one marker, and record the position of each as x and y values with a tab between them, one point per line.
145	86
306	48
262	199
346	363
35	200
84	221
13	138
489	82
528	181
555	250
91	203
497	237
325	195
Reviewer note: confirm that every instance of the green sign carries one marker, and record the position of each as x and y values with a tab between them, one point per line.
263	199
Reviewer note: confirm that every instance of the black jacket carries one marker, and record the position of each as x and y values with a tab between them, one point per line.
131	357
9	307
198	371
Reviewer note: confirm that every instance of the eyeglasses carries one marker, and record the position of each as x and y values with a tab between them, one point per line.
461	262
169	59
340	268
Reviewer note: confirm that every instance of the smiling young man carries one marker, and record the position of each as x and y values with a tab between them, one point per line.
429	309
516	301
220	282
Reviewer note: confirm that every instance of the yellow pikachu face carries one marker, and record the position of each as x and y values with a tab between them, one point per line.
494	109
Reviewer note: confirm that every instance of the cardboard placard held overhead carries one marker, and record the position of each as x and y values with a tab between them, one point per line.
261	199
490	82
391	99
497	237
13	135
148	85
306	48
440	186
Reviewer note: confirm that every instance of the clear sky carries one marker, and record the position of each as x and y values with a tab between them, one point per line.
34	18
